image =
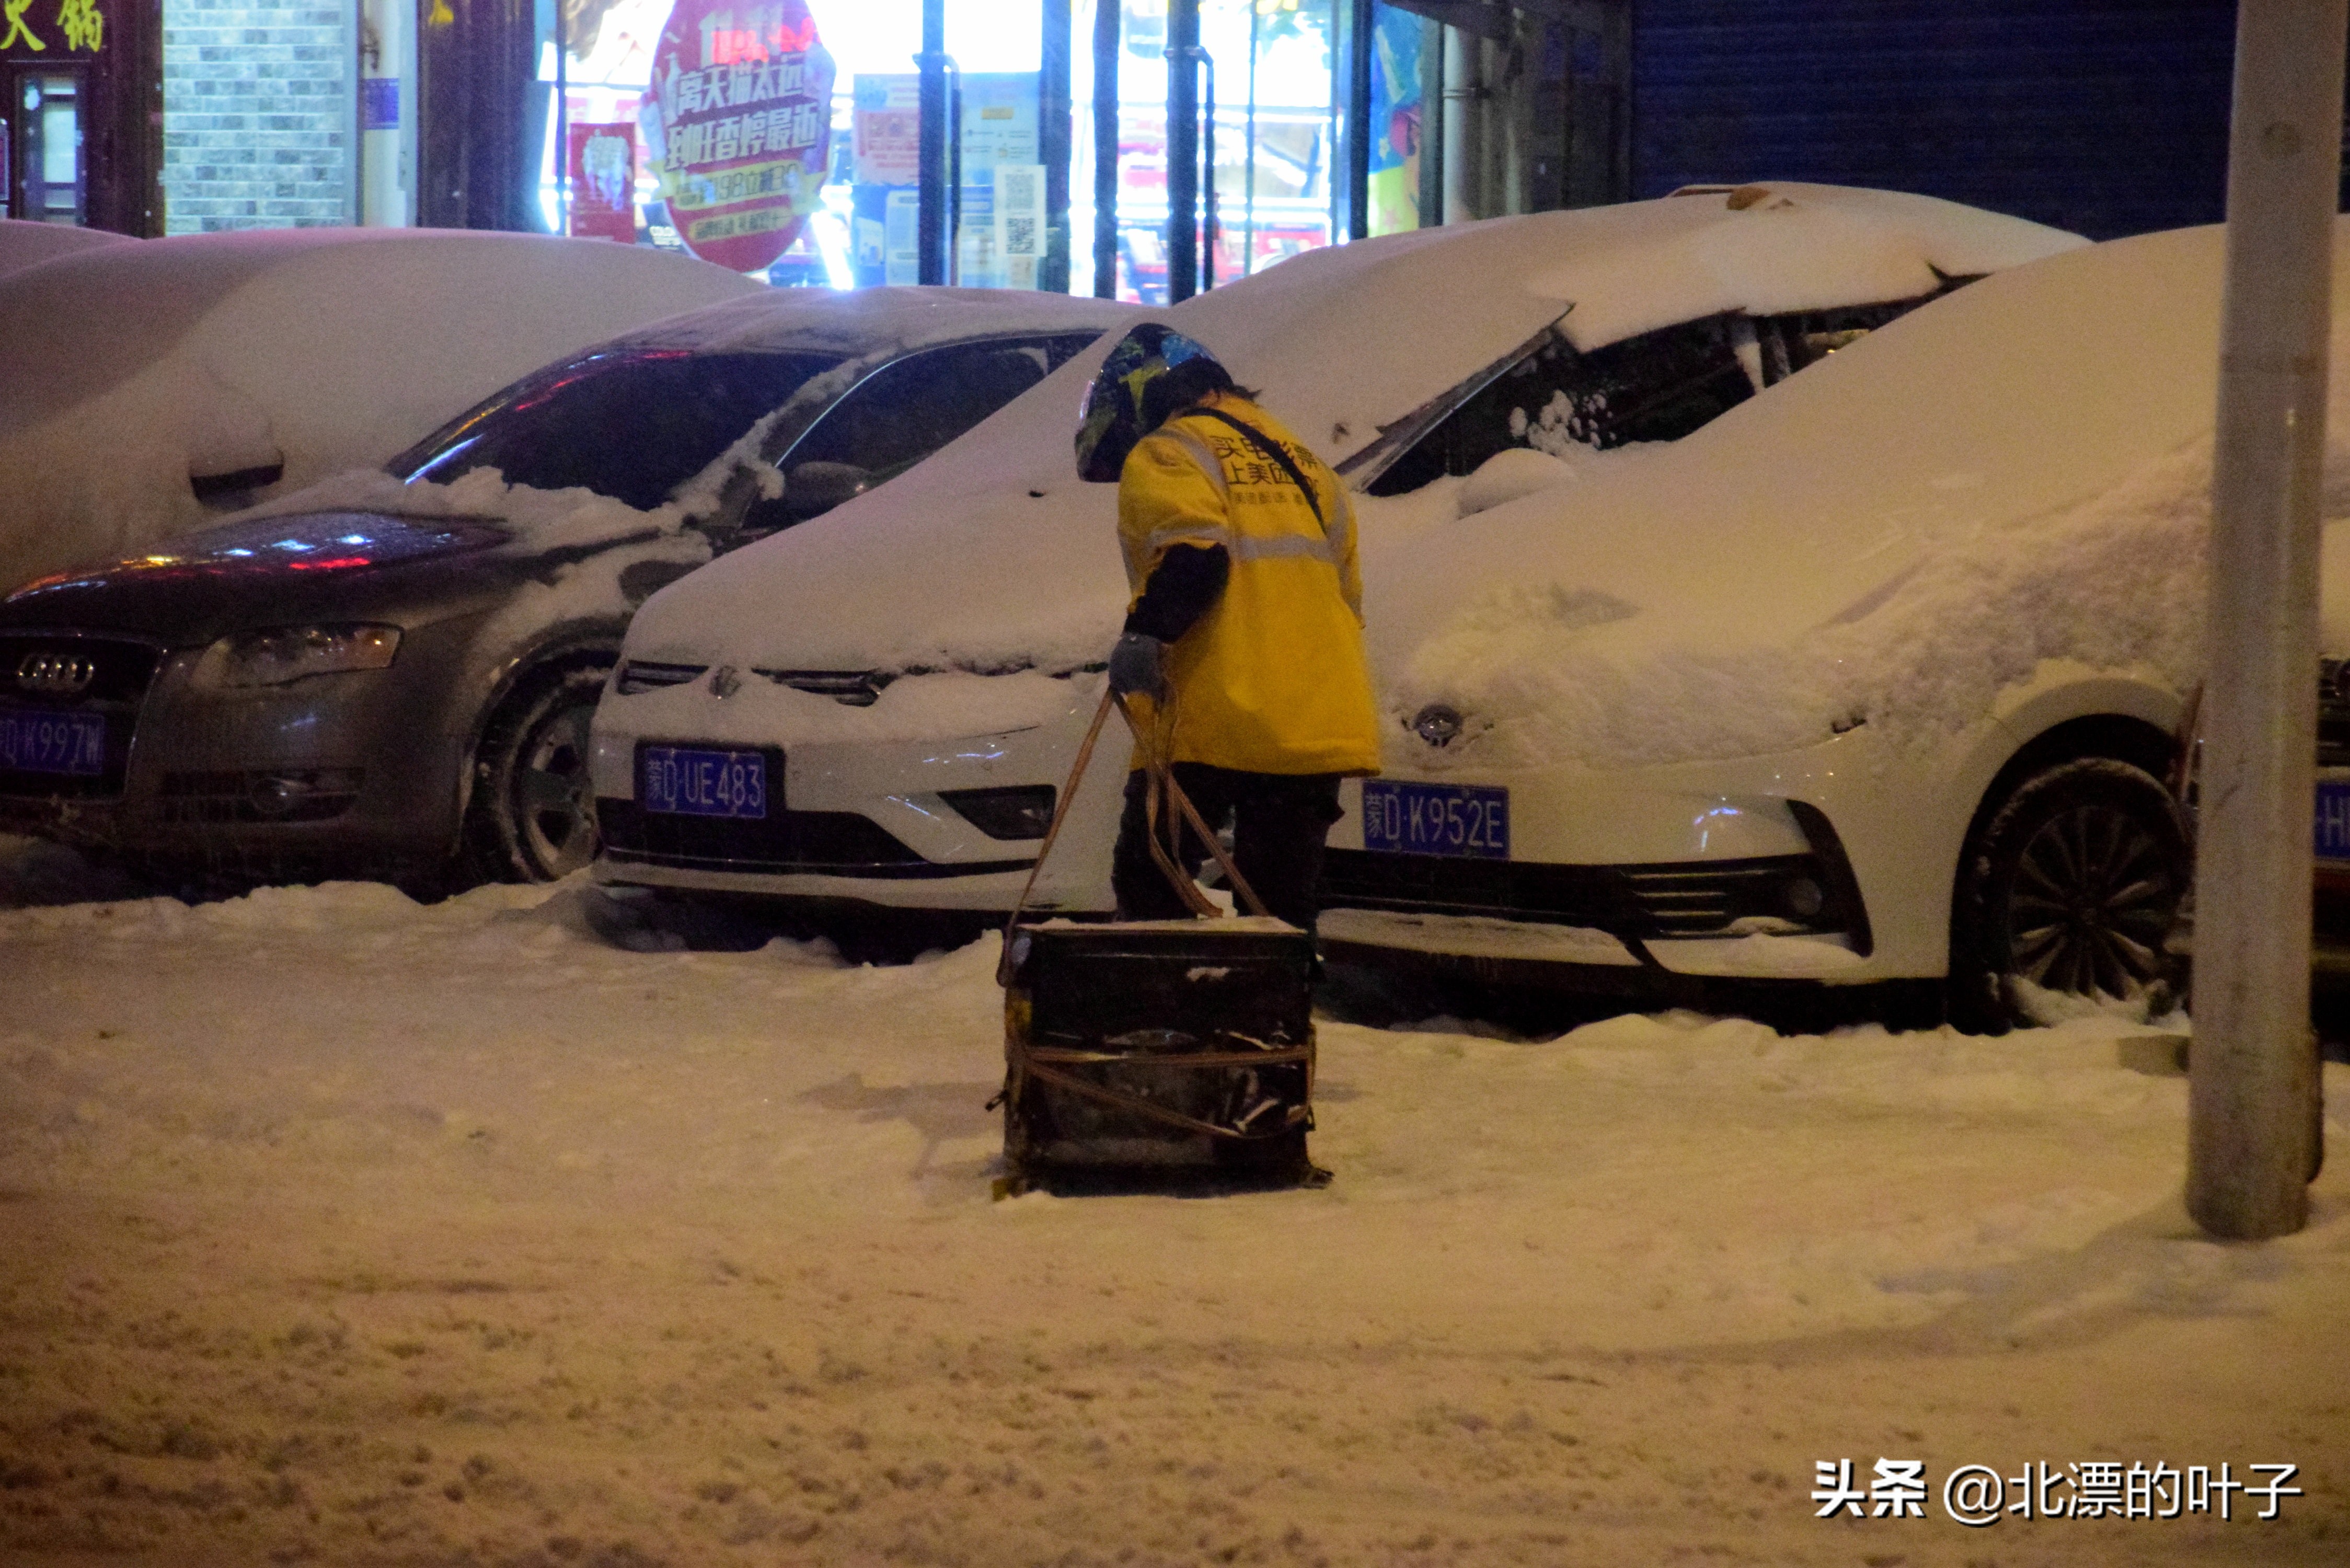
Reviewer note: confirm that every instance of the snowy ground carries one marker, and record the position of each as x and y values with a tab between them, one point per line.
344	1231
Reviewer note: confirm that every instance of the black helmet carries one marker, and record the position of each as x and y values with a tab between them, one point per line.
1114	418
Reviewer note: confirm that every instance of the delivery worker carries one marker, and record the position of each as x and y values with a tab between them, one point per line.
1242	657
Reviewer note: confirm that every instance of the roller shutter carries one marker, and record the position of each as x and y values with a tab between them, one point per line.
2105	116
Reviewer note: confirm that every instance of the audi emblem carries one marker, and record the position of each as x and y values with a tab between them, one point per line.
54	674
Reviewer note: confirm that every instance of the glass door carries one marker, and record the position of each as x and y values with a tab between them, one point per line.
51	177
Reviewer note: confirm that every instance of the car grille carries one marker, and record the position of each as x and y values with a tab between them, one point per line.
642	675
278	794
1701	898
820	843
856	688
120	673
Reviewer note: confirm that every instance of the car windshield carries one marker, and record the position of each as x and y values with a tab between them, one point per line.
1659	386
633	425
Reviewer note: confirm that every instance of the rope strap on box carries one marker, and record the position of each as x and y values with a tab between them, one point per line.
1044	1062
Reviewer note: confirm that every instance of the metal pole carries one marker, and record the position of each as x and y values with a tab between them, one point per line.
1182	151
930	195
1359	119
1106	128
1431	123
1054	133
954	171
1248	226
562	118
1460	93
1207	174
2253	1068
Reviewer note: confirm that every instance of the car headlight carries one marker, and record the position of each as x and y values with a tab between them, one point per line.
284	654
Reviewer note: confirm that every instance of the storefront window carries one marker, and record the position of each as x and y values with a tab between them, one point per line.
1396	101
1270	196
54	191
1267	190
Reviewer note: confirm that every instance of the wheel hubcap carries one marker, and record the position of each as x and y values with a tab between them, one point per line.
555	808
2094	897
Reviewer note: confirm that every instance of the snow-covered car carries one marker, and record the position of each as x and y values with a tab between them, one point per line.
26	242
148	389
1524	409
392	673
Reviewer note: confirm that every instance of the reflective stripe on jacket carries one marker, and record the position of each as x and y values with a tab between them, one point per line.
1272	679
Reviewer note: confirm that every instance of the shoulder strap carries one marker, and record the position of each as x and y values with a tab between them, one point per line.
1271	449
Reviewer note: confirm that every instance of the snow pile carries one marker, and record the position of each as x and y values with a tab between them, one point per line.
1774	249
863	320
541	519
319	350
1522	470
2116	584
347	1231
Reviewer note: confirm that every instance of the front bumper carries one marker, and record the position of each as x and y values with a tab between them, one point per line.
861	815
1683	869
351	772
1830	864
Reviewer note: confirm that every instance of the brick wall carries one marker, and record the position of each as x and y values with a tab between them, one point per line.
257	113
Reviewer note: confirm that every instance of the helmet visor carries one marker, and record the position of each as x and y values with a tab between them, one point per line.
1111	421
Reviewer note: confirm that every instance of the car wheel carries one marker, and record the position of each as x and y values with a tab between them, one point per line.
2072	886
532	814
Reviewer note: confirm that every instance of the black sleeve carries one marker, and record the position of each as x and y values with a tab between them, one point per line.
1183	586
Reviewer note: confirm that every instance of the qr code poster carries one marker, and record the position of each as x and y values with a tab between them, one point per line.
1020	221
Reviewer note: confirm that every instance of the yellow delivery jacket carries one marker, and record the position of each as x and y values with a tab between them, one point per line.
1272	678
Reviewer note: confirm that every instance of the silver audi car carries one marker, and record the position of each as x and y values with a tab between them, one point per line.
391	674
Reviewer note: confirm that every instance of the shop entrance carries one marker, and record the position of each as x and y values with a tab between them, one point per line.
43	142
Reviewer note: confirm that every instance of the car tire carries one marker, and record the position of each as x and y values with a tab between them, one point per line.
532	817
2072	884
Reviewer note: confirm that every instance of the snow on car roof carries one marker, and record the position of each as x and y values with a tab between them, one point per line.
127	369
24	243
1402	318
993	553
864	320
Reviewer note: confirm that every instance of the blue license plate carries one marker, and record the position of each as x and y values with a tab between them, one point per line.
1468	820
42	741
689	782
2333	819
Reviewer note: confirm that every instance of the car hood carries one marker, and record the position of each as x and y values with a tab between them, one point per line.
993	554
331	566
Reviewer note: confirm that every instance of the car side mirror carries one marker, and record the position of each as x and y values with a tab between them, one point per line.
812	489
1509	473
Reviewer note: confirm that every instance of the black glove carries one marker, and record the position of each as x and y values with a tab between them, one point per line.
1137	666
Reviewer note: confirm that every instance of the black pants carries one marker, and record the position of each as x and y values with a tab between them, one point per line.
1278	822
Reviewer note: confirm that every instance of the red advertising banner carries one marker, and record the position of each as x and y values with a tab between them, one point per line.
741	100
604	182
